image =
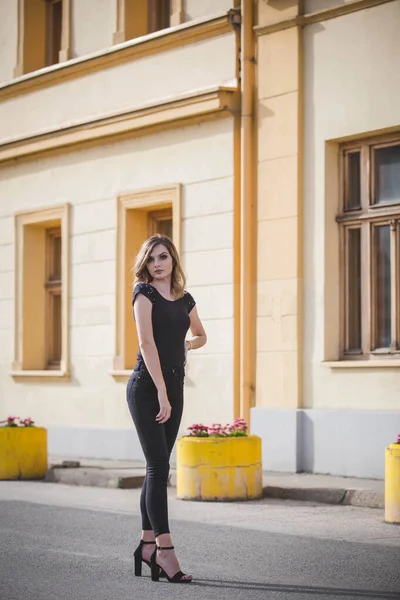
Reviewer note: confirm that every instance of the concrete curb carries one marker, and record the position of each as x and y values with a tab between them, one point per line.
340	496
93	477
133	478
364	498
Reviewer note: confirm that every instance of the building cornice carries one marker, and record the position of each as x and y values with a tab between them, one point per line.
317	17
166	113
154	43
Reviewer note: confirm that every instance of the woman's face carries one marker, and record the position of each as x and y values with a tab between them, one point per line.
159	263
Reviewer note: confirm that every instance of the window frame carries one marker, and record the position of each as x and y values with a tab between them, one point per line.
157	216
52	51
135	18
159	15
31	351
133	209
368	216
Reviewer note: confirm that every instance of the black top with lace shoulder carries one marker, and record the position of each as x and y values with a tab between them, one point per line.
171	322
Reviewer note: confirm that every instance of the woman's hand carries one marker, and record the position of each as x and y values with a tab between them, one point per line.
188	346
165	407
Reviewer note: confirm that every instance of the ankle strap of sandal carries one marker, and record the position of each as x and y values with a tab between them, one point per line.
165	547
144	542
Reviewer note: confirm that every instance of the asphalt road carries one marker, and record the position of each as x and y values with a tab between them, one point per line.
54	550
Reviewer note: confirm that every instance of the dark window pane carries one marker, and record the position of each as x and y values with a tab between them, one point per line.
159	14
161	222
387	174
53	266
353	180
354	289
382	286
56	333
165	227
53	31
56	258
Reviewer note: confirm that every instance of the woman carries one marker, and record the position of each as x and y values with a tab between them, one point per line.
163	312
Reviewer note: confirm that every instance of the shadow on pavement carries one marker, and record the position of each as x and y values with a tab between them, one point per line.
297	589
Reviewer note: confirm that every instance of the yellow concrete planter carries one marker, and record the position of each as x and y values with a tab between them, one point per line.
23	452
392	484
214	468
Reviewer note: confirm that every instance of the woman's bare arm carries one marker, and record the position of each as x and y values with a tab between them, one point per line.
142	310
199	338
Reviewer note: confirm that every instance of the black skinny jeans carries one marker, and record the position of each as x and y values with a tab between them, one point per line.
157	440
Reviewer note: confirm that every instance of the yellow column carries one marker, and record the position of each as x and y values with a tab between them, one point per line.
279	259
392	484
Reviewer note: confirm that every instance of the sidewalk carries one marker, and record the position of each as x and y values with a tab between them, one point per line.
289	486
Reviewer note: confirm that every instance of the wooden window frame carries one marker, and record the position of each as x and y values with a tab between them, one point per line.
155	217
52	51
133	210
159	15
32	347
53	288
136	18
367	217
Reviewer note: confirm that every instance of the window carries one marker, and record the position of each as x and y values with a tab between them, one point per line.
42	243
53	31
159	15
140	215
160	222
53	287
43	34
370	249
140	17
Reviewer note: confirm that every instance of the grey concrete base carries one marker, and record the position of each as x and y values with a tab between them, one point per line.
76	442
306	487
333	442
278	431
361	498
105	478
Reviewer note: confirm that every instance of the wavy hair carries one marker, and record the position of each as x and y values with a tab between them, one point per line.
141	273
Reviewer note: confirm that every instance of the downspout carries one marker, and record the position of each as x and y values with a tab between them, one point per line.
247	212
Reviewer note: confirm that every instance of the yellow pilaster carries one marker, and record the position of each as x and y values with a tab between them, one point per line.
279	257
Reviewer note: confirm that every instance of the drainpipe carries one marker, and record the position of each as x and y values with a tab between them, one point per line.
248	221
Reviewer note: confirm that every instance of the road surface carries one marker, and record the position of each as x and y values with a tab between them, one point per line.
71	543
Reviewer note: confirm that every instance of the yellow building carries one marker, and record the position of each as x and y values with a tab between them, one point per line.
264	136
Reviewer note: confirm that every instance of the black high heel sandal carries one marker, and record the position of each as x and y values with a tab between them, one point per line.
155	569
139	559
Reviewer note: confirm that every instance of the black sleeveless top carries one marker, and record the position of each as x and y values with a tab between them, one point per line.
171	322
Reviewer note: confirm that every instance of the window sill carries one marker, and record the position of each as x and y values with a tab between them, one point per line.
362	364
121	374
45	375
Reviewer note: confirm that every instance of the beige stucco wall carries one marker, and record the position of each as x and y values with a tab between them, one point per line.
207	63
201	159
8	39
356	95
93	23
196	9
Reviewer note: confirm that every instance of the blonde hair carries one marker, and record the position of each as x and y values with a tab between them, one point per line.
141	273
